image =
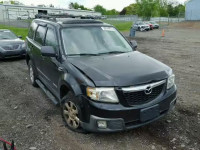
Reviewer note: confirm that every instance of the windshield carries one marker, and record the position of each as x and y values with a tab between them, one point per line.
93	40
7	35
152	22
141	23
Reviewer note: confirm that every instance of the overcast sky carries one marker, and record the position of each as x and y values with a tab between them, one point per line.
108	4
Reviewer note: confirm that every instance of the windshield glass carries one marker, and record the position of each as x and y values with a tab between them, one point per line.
7	35
152	22
140	23
93	40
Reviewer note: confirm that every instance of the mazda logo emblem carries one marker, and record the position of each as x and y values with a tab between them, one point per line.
148	90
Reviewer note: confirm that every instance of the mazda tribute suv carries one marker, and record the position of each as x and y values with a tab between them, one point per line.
96	76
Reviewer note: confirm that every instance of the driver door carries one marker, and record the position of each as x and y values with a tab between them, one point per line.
51	65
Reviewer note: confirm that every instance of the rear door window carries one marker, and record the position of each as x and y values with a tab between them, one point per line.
40	34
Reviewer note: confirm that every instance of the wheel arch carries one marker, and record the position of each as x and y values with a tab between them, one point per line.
67	87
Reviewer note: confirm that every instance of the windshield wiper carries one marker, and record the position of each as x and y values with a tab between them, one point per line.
84	54
113	52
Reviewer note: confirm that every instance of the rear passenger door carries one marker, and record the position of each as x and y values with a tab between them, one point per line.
51	64
36	50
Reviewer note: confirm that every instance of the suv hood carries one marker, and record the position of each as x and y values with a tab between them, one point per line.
126	69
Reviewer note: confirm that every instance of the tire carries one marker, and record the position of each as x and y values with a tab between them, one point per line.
32	74
71	113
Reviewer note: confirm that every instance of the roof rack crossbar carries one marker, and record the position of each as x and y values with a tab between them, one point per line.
65	15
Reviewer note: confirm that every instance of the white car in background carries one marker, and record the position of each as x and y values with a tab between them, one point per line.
23	17
141	26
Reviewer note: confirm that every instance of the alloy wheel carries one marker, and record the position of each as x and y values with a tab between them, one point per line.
70	113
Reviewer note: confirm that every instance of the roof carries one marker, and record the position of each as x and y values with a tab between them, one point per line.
78	21
64	22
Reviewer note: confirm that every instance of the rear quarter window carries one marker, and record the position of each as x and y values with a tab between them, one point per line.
40	34
32	29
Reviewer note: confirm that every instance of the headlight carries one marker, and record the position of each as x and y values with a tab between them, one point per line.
170	81
23	45
102	94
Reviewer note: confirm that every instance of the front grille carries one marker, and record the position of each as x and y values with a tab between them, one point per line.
11	47
139	97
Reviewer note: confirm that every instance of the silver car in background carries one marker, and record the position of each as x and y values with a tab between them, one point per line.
11	45
23	17
141	26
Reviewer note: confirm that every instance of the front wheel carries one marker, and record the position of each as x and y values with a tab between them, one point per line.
71	112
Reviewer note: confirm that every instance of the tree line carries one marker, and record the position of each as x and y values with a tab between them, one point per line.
142	8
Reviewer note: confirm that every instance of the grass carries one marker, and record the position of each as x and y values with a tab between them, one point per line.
120	25
18	31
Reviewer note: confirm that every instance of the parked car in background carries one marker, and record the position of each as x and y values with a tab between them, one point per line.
103	17
155	25
11	45
23	17
40	15
150	25
97	77
141	26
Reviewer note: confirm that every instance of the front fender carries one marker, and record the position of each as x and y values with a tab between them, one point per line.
70	82
74	80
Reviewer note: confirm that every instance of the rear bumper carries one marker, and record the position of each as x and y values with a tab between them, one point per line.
14	53
120	118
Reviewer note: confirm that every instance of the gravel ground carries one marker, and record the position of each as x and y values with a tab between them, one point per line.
33	122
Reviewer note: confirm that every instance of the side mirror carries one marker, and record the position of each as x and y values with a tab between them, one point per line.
133	44
48	51
20	36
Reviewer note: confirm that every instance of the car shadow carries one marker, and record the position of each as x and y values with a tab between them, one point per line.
12	59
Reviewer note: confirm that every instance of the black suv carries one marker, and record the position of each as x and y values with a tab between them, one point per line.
97	77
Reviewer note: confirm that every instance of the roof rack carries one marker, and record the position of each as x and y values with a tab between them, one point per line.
65	15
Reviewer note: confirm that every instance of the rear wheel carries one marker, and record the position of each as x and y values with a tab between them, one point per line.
71	113
32	74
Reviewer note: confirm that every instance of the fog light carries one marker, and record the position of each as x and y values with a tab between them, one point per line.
102	124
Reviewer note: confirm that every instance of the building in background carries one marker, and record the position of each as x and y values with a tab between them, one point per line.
12	11
192	11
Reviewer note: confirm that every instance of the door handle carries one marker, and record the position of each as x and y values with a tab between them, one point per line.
60	69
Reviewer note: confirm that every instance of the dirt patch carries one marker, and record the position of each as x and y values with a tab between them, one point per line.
29	118
190	25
